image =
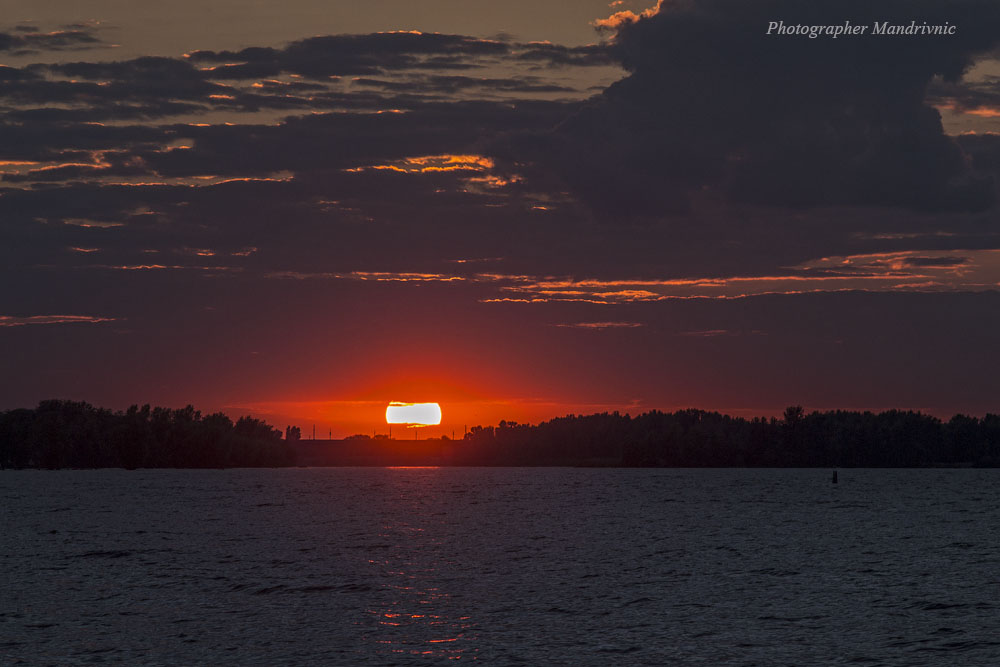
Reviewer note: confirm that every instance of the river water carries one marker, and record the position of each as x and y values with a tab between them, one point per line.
538	566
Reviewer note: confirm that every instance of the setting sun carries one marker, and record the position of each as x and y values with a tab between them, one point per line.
420	414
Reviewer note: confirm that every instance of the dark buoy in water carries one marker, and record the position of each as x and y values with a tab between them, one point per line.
834	477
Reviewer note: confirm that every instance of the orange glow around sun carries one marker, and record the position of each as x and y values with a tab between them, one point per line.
416	414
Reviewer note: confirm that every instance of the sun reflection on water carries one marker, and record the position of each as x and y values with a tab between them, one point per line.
417	611
420	622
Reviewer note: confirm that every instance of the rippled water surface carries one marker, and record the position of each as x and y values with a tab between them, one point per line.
508	566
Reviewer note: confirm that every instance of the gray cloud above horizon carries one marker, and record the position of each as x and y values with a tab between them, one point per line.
27	39
713	106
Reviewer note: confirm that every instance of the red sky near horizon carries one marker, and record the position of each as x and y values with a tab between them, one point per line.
304	211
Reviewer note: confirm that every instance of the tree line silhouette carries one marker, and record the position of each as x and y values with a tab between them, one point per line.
70	434
696	438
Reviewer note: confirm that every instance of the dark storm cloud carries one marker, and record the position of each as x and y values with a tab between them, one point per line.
332	221
152	75
344	140
75	217
545	53
87	102
983	149
145	93
27	40
332	218
361	55
148	87
84	201
8	74
98	113
714	105
454	84
351	55
297	168
967	96
70	142
154	87
935	261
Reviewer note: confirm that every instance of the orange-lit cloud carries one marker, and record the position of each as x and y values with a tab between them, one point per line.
948	270
619	19
373	276
602	325
163	267
98	224
432	163
476	260
981	111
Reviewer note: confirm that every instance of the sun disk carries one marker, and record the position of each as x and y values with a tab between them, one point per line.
418	414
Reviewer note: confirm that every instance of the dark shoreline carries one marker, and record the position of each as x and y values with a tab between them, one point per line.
67	434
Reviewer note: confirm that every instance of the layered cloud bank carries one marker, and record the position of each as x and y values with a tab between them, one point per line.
686	181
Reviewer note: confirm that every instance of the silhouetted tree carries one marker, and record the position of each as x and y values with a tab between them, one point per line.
69	434
698	438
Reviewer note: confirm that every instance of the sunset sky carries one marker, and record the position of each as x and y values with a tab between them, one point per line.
306	209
